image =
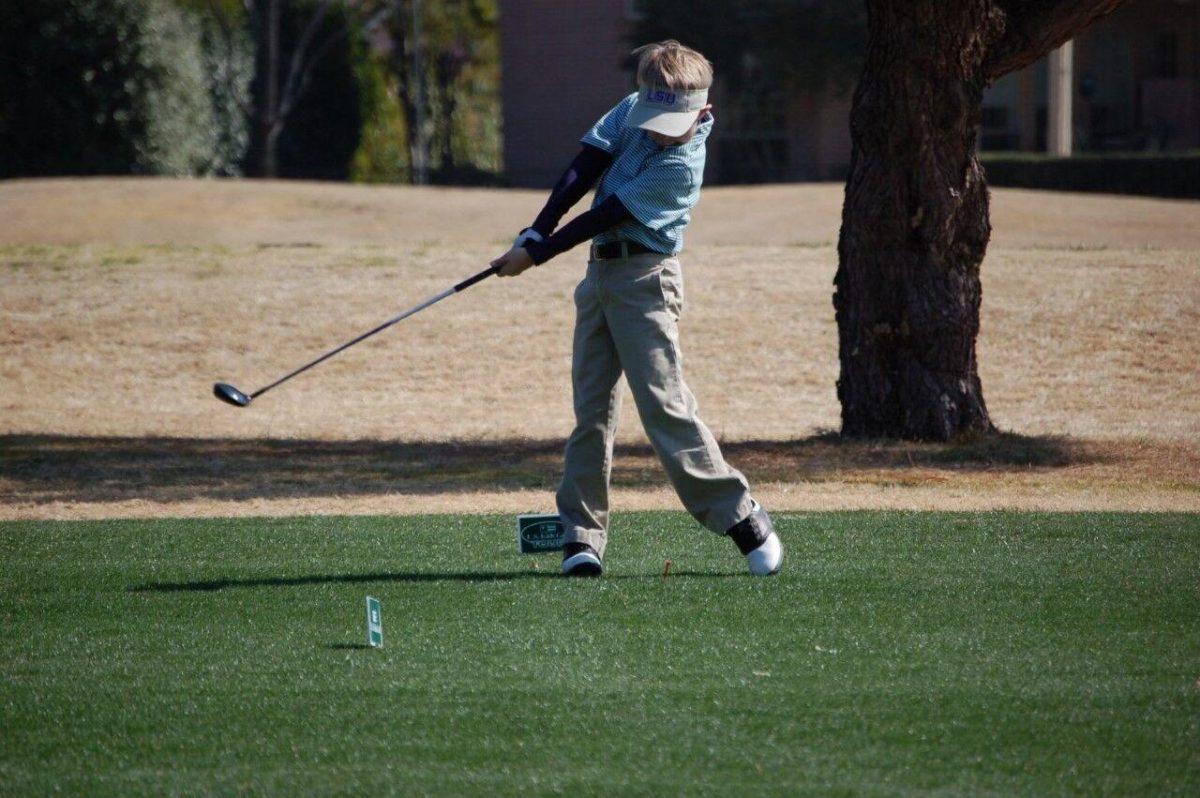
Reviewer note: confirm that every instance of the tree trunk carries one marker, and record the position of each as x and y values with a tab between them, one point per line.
915	225
446	129
271	150
408	65
270	115
915	222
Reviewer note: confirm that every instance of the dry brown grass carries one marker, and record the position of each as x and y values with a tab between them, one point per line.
124	300
135	211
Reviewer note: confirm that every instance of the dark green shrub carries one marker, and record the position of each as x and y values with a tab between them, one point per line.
382	155
109	87
1149	174
229	68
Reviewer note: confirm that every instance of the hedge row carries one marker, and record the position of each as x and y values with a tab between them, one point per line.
1174	175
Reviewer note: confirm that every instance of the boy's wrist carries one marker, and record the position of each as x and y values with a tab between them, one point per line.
538	252
527	235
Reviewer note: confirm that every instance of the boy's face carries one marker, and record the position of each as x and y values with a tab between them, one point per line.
674	141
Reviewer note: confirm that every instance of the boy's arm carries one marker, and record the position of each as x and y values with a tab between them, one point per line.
604	216
577	180
607	214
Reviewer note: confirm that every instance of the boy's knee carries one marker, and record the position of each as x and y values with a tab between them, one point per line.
663	408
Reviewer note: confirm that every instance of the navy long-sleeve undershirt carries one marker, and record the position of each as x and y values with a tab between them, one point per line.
576	180
579	178
607	214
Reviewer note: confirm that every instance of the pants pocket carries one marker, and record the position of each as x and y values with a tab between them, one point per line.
582	291
670	281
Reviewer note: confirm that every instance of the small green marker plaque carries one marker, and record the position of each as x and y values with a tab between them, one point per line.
539	532
374	623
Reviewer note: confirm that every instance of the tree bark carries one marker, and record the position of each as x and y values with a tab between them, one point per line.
915	223
271	149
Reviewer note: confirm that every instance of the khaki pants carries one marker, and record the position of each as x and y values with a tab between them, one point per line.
626	315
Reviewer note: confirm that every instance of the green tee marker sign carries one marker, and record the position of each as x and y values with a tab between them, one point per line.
374	623
539	532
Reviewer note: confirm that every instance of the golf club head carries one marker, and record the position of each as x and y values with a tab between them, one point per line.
227	393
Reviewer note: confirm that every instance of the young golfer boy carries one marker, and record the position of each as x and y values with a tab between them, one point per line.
646	159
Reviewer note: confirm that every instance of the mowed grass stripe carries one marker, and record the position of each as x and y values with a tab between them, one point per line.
898	652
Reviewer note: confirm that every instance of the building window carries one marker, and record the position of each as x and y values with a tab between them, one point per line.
994	117
1168	55
994	133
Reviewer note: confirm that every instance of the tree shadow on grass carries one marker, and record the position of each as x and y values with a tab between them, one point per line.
210	585
49	468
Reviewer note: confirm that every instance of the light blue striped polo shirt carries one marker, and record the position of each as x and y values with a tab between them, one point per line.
657	185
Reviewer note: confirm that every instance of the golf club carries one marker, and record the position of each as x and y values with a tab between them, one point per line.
227	393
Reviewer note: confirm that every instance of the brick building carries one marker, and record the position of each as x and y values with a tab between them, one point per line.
1130	82
563	64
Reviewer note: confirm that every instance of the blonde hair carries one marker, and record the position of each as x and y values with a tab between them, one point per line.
671	65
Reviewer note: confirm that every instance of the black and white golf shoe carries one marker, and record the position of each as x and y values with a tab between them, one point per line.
755	537
580	559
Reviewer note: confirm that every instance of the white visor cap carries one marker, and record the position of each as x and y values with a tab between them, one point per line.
667	111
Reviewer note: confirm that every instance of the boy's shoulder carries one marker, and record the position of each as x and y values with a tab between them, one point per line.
624	106
609	132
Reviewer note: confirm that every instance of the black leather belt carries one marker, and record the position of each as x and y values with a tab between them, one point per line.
620	249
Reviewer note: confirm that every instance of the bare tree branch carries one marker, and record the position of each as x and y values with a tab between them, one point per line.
296	67
1035	27
298	81
271	115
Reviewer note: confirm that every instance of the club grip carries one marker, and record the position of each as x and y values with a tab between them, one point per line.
470	281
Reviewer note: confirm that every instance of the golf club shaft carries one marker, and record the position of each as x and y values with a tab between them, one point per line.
433	300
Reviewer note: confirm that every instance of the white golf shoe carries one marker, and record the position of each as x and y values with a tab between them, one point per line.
580	559
755	537
767	558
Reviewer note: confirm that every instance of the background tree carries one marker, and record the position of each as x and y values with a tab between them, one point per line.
328	73
112	87
229	69
465	91
303	103
443	59
383	154
228	65
915	223
306	96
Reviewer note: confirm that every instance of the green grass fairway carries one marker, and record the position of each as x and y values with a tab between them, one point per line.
899	652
